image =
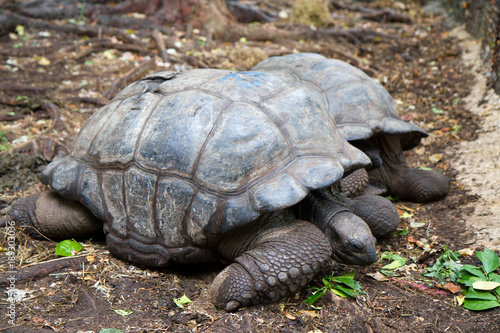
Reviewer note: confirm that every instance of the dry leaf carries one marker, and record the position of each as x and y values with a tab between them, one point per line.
289	316
43	61
378	276
412	239
310	313
436	158
485	285
466	252
418	224
450	287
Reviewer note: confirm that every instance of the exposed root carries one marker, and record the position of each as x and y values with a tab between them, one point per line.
132	75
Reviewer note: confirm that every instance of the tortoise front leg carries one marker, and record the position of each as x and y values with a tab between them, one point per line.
273	260
47	214
378	212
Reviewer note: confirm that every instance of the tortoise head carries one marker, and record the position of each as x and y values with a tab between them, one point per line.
352	240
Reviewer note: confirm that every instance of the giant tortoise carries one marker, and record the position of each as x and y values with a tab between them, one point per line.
366	116
202	166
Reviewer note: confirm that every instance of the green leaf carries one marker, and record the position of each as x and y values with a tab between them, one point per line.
391	198
468	279
406	215
482	295
478	305
340	293
314	297
347	279
348	291
20	30
388	272
437	111
124	313
398	261
395	264
424	168
474	271
67	248
111	330
22	98
180	302
489	259
402	231
494	277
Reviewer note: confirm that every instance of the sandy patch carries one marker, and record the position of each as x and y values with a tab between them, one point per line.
478	162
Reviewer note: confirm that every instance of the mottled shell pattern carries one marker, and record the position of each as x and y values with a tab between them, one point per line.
176	159
361	106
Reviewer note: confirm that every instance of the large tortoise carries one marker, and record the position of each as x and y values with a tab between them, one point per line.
201	166
366	116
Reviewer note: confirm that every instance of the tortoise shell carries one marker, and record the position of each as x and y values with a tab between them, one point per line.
361	107
176	159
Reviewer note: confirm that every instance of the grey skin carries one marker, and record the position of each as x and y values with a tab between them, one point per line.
210	165
366	116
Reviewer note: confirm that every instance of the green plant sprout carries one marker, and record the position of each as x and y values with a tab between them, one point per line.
446	267
344	286
180	302
483	283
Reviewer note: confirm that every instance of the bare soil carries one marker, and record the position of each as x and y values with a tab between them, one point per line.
421	64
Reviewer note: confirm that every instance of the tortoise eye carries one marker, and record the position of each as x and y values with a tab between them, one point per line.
357	246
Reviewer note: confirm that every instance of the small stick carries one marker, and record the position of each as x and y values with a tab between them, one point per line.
54	114
42	269
160	44
131	75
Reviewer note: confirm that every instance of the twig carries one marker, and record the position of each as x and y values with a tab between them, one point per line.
131	75
248	14
54	114
160	44
90	100
18	87
82	30
386	14
42	269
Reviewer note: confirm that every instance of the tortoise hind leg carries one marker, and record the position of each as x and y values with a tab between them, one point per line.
47	214
419	185
402	181
270	264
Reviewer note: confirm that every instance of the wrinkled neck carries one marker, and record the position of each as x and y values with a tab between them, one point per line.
321	207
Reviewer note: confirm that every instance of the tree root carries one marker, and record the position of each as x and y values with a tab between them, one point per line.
382	15
160	44
132	75
249	14
81	30
44	147
42	269
234	32
54	114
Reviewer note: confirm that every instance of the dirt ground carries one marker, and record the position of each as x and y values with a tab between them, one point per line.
52	80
